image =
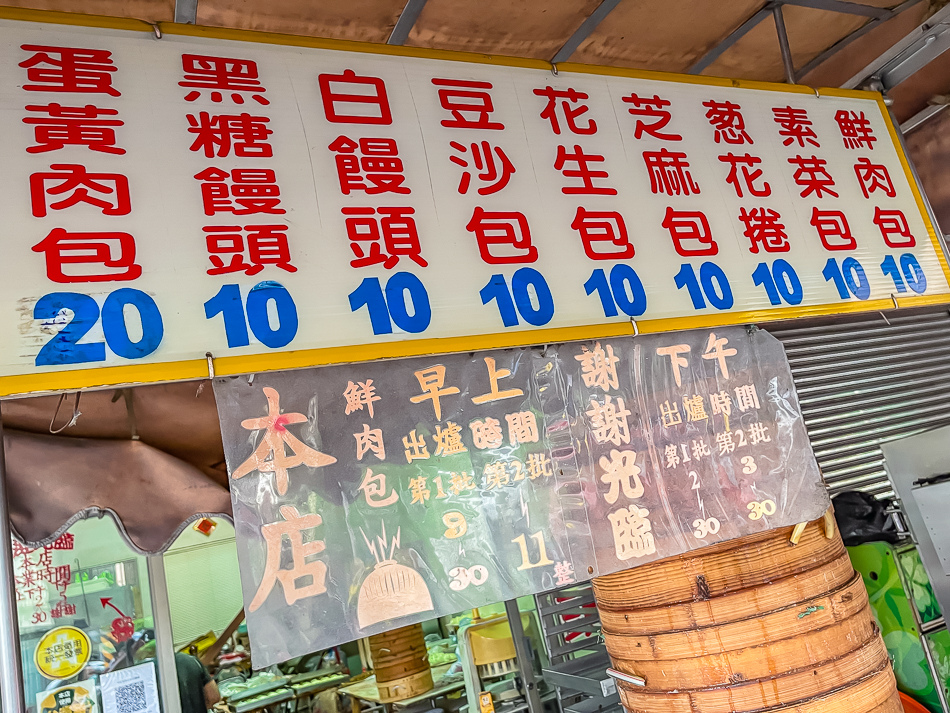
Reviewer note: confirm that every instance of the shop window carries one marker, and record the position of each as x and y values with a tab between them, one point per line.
87	640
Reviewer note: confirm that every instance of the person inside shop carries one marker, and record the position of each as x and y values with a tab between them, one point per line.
196	688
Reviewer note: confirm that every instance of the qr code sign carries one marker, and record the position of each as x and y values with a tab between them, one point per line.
130	698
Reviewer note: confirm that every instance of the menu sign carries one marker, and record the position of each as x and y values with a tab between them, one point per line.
278	207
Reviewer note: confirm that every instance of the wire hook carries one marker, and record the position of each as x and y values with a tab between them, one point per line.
72	421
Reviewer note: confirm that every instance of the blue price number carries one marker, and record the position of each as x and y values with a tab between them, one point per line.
909	271
623	290
849	278
536	309
780	281
404	293
712	285
239	314
64	348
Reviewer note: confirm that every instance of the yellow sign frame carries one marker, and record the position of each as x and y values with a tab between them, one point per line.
47	637
191	369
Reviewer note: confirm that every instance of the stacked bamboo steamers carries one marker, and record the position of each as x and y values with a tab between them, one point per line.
754	624
401	662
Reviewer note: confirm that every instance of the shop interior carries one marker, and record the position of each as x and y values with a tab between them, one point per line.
481	659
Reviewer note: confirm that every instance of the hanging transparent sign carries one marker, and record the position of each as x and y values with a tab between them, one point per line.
372	495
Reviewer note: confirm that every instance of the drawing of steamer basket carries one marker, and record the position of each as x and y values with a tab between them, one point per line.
392	591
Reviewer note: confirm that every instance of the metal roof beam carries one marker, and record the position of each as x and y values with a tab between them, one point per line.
736	35
857	34
787	62
925	114
583	32
405	23
848	8
916	50
186	11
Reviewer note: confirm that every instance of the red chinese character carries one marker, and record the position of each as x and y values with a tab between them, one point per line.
832	225
73	126
651	108
583	171
44	558
396	230
69	69
855	129
76	185
19	549
687	225
66	541
221	74
358	107
763	227
891	223
873	176
59	577
727	121
378	162
794	126
469	103
606	229
494	175
508	228
115	252
813	176
61	609
568	97
217	134
749	175
266	245
243	191
669	172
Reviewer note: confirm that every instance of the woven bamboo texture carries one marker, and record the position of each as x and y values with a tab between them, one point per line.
401	663
754	624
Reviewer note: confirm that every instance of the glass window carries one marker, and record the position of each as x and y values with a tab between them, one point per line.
84	609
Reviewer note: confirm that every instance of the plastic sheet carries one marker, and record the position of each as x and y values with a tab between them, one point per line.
369	496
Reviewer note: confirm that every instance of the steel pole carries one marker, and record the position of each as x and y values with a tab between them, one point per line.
523	656
786	50
11	672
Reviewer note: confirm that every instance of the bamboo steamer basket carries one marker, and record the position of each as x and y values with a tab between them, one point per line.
753	624
401	662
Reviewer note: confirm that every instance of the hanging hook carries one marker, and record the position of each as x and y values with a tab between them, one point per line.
553	69
156	29
894	300
72	421
817	93
201	387
636	329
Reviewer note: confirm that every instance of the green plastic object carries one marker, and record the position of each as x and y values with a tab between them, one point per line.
939	643
878	564
915	575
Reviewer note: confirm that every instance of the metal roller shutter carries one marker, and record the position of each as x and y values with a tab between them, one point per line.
862	381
